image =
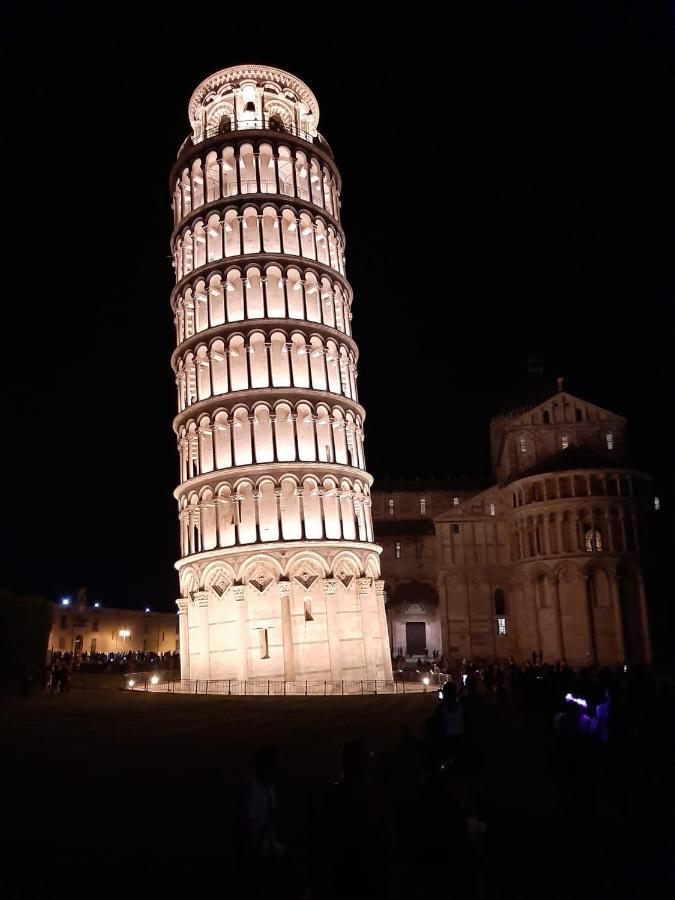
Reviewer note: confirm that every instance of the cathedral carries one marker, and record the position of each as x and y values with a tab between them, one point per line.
545	558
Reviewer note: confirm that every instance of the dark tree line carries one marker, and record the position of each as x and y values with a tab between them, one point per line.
25	624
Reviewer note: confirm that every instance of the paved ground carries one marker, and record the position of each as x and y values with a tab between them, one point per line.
128	794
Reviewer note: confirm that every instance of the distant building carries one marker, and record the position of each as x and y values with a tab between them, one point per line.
545	559
80	627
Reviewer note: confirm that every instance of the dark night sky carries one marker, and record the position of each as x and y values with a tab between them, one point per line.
507	189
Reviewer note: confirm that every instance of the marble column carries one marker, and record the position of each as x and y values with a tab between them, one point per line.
618	618
202	601
384	642
183	637
330	591
366	595
285	589
237	593
558	616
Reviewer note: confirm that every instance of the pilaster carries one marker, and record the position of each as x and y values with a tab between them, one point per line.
183	637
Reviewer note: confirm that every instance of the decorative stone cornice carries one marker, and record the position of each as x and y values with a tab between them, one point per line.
182	605
250	72
363	585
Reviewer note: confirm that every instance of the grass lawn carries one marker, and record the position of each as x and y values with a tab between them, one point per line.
130	794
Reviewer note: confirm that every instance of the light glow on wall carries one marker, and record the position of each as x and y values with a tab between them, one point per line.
269	427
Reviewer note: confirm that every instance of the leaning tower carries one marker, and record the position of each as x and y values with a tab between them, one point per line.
279	572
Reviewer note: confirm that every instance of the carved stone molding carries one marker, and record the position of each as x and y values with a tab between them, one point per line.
182	605
261	580
202	598
363	585
237	591
345	577
306	578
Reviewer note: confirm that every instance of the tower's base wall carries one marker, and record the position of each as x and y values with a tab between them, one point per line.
284	614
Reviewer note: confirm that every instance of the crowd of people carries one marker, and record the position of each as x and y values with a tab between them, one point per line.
61	666
375	836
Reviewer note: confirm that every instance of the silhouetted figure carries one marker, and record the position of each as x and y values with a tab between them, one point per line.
360	838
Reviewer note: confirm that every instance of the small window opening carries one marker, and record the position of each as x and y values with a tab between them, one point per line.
264	643
593	540
398	549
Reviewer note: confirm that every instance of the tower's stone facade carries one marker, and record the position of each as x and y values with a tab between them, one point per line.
279	572
544	559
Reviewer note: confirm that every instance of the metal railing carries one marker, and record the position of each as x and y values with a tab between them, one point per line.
234	123
145	682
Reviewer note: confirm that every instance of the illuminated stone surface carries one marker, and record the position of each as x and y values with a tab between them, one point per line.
545	559
279	572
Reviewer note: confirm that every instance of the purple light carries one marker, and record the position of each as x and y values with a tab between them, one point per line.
578	700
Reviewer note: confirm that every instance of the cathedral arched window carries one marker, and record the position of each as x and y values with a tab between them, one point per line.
593	540
493	509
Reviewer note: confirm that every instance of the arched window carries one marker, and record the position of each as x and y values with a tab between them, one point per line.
455	501
609	438
423	506
564	441
493	509
593	540
390	506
